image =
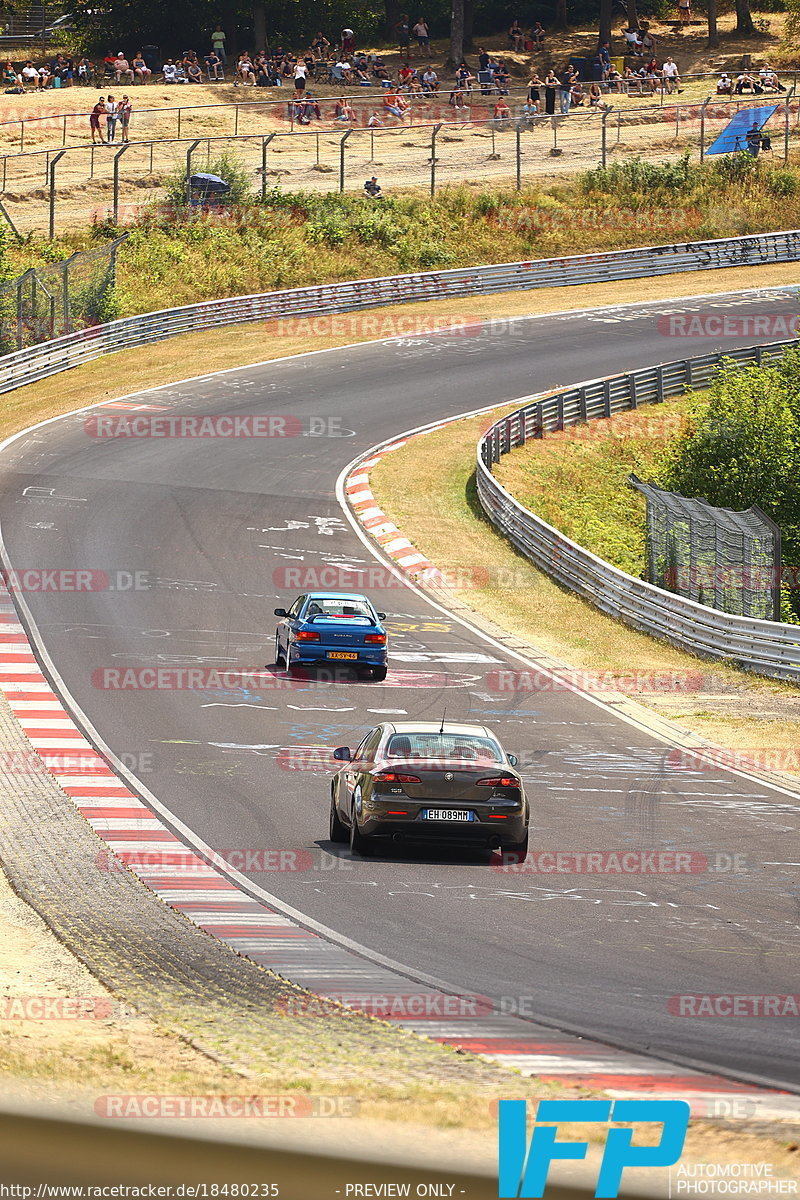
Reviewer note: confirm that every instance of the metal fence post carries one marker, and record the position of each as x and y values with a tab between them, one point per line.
189	154
519	159
65	296
341	159
19	311
179	123
434	132
604	141
264	143
236	123
117	157
64	133
703	128
21	136
57	158
786	132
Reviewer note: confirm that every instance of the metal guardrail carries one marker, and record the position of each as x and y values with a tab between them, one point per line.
764	647
48	358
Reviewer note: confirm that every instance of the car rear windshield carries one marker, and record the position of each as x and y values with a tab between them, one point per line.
444	745
340	608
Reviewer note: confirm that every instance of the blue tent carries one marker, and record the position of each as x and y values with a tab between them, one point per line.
734	135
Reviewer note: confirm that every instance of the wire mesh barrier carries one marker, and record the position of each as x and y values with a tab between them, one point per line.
87	182
48	302
721	558
763	646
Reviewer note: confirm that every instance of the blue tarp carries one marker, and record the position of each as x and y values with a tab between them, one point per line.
734	135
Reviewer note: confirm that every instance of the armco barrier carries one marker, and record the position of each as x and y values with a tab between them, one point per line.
765	647
27	366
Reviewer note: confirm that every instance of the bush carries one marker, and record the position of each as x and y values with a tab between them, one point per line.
226	166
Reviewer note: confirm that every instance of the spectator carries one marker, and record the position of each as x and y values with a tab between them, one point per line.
403	35
771	81
85	70
44	77
501	110
213	66
724	84
614	80
515	35
193	72
396	104
568	77
753	138
420	32
430	81
596	96
537	34
218	44
530	110
94	121
502	79
122	67
374	122
112	114
685	12
669	73
244	70
373	188
551	83
649	43
535	86
345	111
320	46
578	95
633	43
170	72
141	71
30	76
458	99
300	72
10	78
348	43
342	72
124	116
465	78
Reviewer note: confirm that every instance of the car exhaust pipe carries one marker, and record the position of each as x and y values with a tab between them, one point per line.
494	843
397	837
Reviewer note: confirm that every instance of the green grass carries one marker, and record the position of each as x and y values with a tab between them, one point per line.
296	239
578	480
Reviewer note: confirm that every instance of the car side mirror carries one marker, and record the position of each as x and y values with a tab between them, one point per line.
342	753
281	612
512	758
381	616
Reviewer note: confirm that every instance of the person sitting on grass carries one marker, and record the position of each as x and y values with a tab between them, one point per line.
396	104
30	76
515	35
430	81
724	84
193	72
537	34
501	111
244	70
577	95
374	122
345	110
373	189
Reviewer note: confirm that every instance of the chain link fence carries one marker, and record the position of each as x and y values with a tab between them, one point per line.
47	302
721	558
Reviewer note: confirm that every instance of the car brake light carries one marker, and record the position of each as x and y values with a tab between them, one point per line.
376	639
306	636
395	777
499	781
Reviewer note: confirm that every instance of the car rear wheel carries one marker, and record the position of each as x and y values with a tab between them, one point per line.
379	673
359	844
518	849
338	831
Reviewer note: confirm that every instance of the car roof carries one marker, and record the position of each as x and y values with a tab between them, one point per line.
337	596
451	727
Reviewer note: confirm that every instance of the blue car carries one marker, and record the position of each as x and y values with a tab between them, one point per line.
332	629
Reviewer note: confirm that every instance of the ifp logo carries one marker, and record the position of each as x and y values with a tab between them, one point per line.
523	1168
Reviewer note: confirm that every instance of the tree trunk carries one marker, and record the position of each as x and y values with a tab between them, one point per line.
392	10
259	26
605	21
456	35
744	20
560	15
713	33
469	22
633	16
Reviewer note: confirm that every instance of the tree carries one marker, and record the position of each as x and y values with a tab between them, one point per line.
456	34
560	15
713	34
605	20
744	19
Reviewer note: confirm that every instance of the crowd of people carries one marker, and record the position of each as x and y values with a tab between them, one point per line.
116	114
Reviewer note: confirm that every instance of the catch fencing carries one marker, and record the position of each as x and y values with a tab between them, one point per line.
764	647
89	182
720	557
55	299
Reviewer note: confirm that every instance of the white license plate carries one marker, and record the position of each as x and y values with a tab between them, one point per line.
446	814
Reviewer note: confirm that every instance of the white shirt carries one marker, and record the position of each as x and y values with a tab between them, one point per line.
300	71
670	69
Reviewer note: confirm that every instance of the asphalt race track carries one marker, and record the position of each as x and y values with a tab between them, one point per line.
215	524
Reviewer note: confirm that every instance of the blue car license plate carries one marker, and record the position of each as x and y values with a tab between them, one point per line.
447	814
